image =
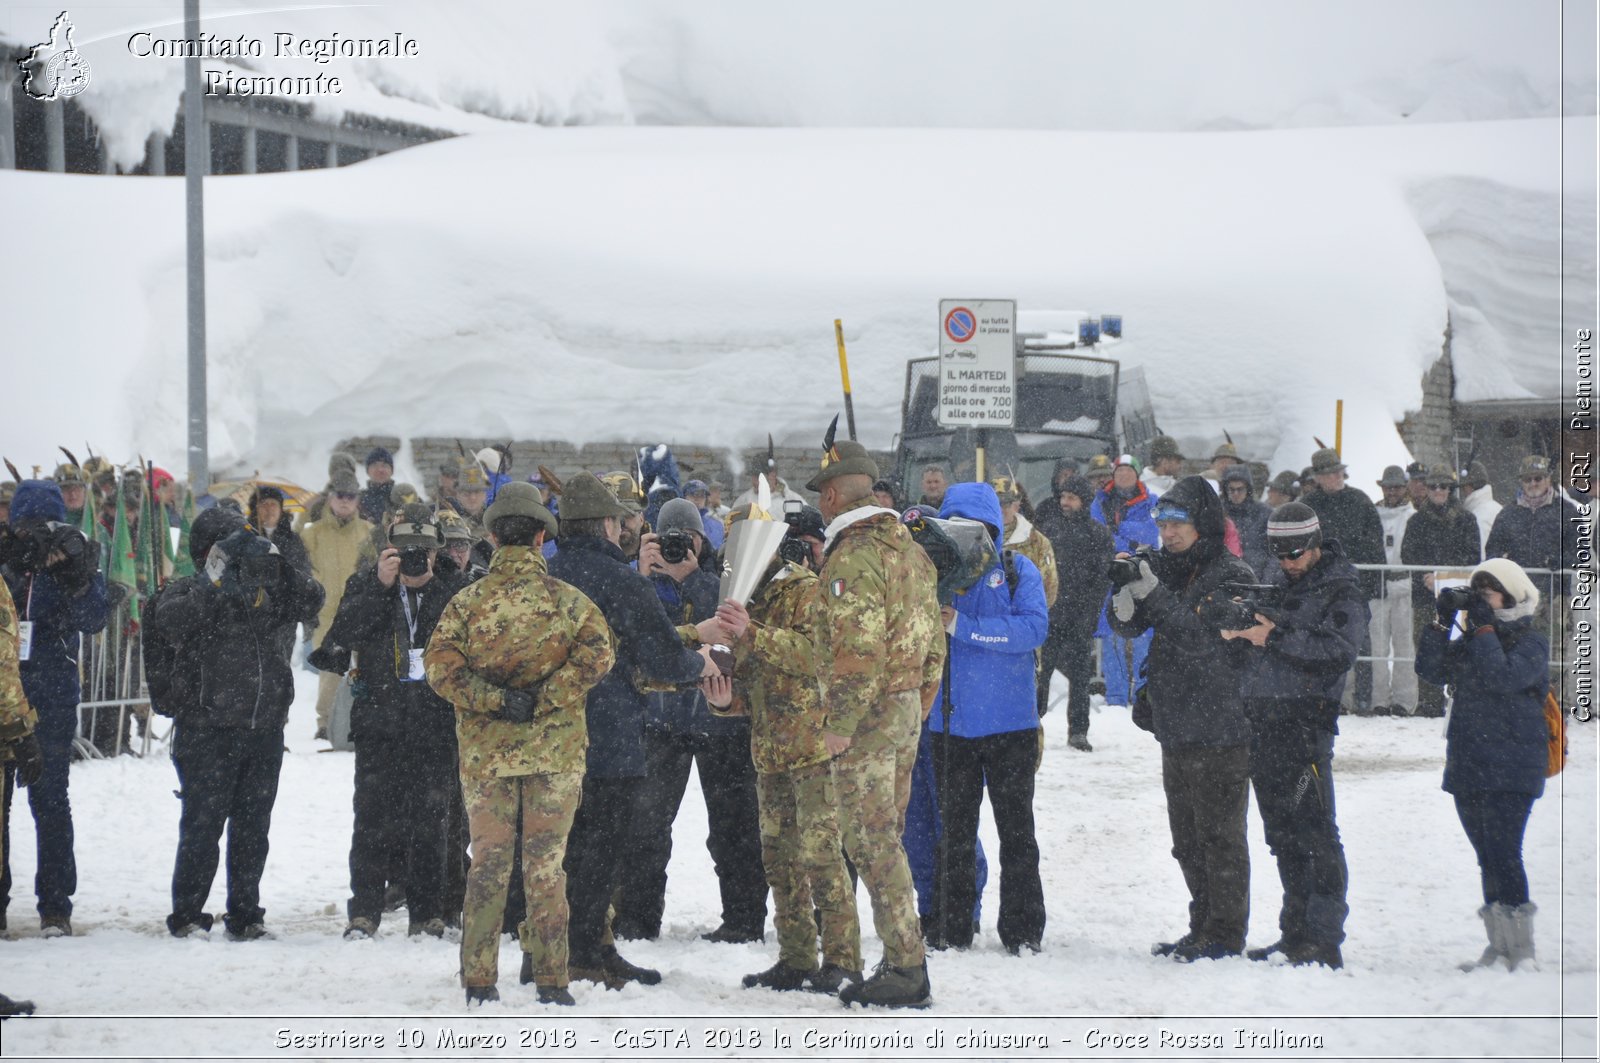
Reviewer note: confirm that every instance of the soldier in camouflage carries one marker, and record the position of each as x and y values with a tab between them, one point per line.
1020	535
775	684
516	653
880	654
19	750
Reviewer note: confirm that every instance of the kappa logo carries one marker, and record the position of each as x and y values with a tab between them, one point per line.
55	70
837	588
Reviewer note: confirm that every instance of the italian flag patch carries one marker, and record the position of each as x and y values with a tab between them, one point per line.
837	587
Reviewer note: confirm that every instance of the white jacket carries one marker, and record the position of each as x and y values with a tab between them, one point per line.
1481	504
1394	520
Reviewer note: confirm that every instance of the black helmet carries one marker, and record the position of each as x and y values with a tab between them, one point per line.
1293	529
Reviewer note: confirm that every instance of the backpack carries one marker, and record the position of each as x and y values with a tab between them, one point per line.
159	657
1555	722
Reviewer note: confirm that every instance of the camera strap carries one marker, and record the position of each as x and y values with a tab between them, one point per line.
25	627
415	669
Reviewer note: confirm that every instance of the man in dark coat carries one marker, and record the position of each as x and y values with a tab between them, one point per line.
650	655
1192	701
1305	643
681	733
1083	549
1530	531
60	597
228	689
404	732
1441	532
1249	517
1350	516
375	497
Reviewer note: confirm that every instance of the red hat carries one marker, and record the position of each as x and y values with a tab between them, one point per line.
160	477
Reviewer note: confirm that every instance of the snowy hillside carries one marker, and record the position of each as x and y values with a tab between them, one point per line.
1111	888
636	284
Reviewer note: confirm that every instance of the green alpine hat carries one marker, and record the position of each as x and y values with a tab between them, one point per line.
584	497
523	500
844	458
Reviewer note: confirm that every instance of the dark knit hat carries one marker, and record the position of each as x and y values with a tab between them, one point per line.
379	454
1077	485
1193	497
1237	473
679	514
1293	529
210	528
37	500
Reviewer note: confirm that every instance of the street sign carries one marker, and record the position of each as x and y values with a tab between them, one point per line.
977	363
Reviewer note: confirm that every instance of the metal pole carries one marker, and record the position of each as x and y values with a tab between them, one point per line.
196	161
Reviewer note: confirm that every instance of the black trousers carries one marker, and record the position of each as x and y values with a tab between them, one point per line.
1495	823
403	790
229	778
728	781
1291	766
595	848
1072	654
1005	763
1208	792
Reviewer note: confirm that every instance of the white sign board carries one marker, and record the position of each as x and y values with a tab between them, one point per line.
977	363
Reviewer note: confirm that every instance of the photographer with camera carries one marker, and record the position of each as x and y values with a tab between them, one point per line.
516	653
1305	640
52	573
1191	702
1497	746
223	676
19	749
679	732
1124	506
1441	532
403	732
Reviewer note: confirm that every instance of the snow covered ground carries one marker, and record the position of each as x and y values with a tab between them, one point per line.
125	988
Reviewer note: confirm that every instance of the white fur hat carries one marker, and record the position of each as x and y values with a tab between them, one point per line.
1515	582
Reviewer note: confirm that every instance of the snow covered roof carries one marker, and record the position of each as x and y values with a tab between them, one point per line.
647	283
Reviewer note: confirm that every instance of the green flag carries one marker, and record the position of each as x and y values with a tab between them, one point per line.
182	564
123	567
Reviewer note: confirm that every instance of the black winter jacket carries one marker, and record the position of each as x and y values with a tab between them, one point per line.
1444	536
229	669
59	615
1300	672
685	712
649	651
372	622
1251	521
1192	675
1533	537
1351	517
1083	550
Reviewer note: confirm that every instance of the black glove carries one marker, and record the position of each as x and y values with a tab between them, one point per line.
329	657
29	760
1479	613
518	705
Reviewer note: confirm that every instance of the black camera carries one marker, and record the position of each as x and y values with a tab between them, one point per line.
676	546
414	561
1233	606
1454	599
260	572
1125	570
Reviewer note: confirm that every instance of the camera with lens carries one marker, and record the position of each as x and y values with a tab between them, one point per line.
1233	606
1125	570
414	561
804	522
260	572
31	548
1454	599
676	546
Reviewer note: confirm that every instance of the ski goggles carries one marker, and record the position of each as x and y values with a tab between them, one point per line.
1167	513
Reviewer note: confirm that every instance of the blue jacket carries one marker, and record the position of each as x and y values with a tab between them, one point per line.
50	675
1496	739
1131	525
991	653
685	712
1322	619
714	533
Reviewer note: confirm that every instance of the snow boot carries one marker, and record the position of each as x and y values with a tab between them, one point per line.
1518	923
433	928
556	994
831	978
481	994
891	987
1277	948
361	929
1080	742
779	976
1167	948
1312	954
10	1009
1205	949
1493	926
728	934
618	968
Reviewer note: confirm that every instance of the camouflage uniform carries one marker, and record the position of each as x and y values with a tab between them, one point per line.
880	654
775	682
519	628
17	718
1036	548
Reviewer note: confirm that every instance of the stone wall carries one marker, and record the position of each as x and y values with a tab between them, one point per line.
1430	431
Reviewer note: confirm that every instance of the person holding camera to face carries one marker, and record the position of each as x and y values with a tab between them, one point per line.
680	731
1306	641
1497	745
1191	702
228	687
53	575
403	732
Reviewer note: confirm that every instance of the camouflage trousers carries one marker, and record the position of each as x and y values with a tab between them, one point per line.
874	787
800	849
547	803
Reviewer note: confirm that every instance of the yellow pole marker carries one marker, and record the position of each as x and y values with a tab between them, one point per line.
844	375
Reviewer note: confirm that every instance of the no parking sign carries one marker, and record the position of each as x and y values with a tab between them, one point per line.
977	363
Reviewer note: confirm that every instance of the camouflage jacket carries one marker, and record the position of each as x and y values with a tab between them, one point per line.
877	625
519	628
17	717
775	674
1030	542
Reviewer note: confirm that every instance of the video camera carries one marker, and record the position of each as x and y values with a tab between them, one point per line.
1233	606
804	522
1125	570
961	550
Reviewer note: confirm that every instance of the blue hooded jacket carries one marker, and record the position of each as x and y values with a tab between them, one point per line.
991	653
